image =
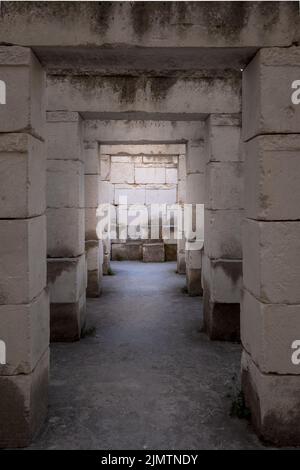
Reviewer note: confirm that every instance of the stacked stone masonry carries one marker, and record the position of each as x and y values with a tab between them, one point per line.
270	314
65	225
24	302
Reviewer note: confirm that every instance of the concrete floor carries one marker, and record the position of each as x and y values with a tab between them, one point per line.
148	378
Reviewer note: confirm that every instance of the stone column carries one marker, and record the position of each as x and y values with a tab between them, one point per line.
106	196
222	263
24	303
181	198
270	315
65	226
93	246
195	165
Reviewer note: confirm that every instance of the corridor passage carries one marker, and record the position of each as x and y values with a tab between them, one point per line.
144	376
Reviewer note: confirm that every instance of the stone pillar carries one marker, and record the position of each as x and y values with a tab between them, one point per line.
93	246
24	303
270	315
222	263
106	196
65	226
181	198
195	165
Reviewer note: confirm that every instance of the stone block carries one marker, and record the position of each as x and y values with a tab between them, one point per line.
92	189
22	259
134	195
67	320
65	184
65	230
22	176
193	282
224	142
25	331
153	253
271	259
221	321
171	251
64	136
122	173
272	168
105	161
118	252
223	279
66	279
195	157
265	109
195	188
24	77
23	405
274	402
171	175
91	158
224	185
268	331
161	196
91	221
181	167
223	233
181	192
149	175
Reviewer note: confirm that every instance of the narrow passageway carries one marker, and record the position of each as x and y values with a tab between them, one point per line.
144	376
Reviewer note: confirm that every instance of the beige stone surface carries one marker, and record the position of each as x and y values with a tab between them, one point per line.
65	184
22	259
272	168
26	343
268	332
271	260
65	232
66	279
22	176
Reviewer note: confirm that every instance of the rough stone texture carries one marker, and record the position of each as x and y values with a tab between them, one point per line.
270	71
122	173
65	232
91	185
181	264
27	342
64	136
195	188
25	84
274	402
224	278
66	279
223	233
271	260
224	185
272	165
171	251
94	252
195	157
223	142
268	332
91	158
22	259
23	405
153	253
67	320
22	176
65	188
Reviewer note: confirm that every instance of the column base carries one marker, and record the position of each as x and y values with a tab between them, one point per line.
221	320
193	282
23	405
94	286
67	320
274	402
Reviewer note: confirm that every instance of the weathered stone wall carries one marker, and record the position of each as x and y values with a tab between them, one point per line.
24	302
145	175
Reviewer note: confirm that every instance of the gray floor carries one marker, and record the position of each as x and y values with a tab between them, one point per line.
147	378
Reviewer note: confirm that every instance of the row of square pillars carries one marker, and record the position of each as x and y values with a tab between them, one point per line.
270	313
